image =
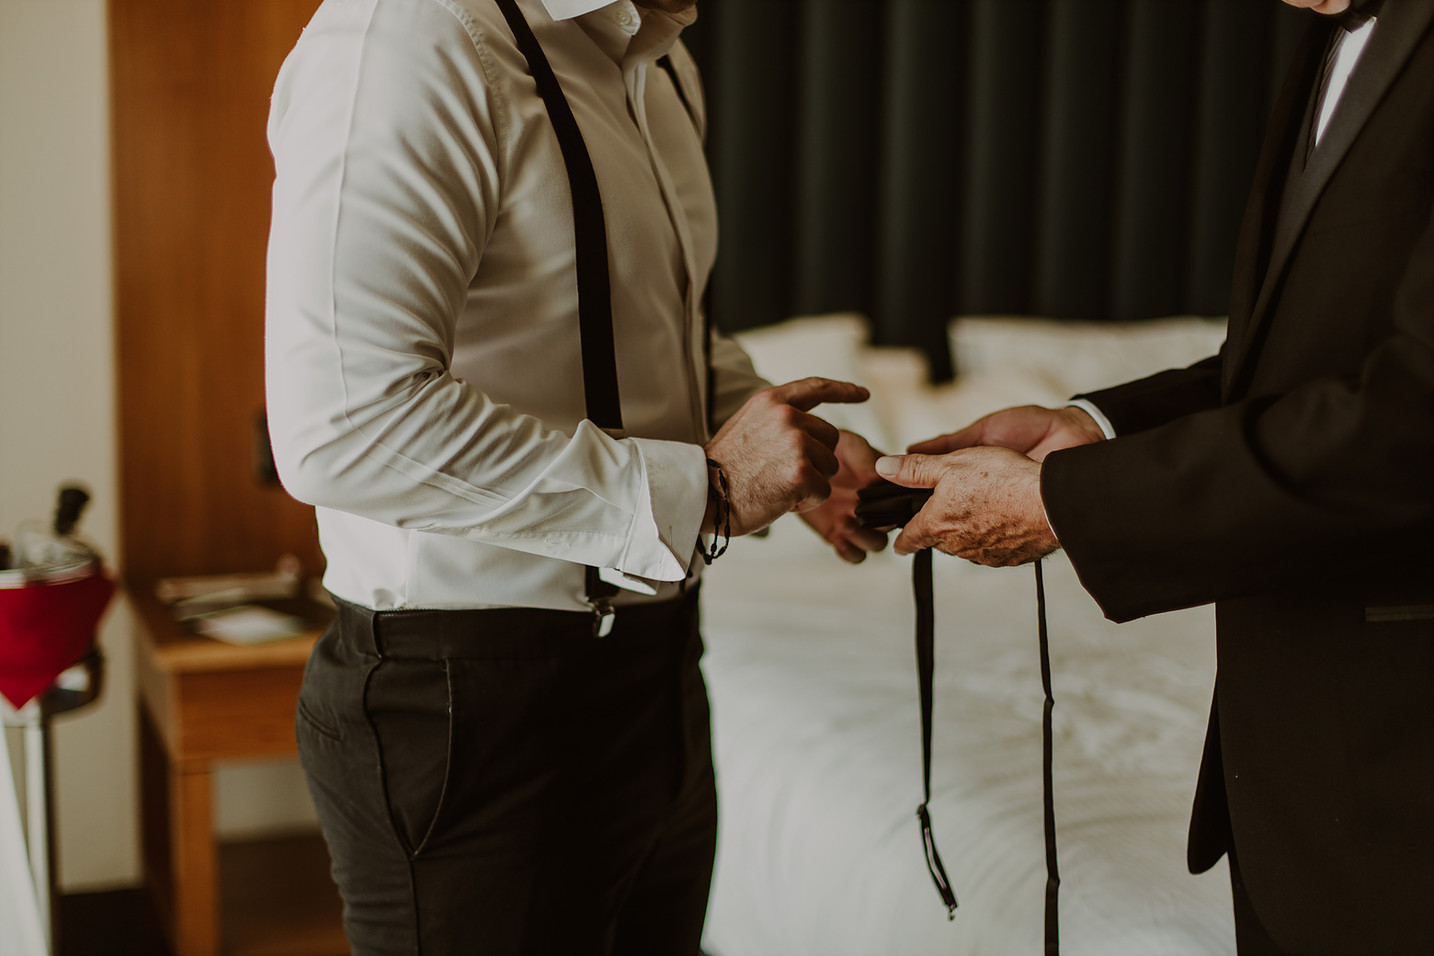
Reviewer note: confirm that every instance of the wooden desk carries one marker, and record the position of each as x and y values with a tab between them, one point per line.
203	702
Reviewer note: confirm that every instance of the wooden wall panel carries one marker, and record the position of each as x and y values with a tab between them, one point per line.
191	83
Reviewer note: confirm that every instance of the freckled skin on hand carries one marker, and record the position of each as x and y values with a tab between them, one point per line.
986	502
986	507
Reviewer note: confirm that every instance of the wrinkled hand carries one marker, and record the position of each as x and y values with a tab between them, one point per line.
776	455
1032	430
835	519
986	506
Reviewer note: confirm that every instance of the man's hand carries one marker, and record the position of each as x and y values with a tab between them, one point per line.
835	519
777	456
1029	429
986	507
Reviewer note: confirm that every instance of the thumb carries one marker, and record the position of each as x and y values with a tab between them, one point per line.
970	435
913	471
940	444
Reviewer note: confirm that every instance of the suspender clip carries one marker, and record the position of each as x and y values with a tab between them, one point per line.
603	616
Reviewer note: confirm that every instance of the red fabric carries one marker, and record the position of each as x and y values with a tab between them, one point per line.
44	628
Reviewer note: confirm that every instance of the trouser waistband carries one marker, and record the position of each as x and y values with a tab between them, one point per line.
504	633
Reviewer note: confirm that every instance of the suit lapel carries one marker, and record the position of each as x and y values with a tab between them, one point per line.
1252	253
1398	30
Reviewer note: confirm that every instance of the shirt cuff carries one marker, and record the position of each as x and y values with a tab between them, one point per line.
663	538
1099	416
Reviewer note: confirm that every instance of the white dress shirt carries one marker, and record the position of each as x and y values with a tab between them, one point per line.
424	372
1350	49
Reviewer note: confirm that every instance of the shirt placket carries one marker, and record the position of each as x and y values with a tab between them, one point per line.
635	78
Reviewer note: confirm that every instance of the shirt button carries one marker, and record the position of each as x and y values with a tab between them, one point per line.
624	18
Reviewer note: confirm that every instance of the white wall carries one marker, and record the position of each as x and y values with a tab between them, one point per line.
57	411
57	378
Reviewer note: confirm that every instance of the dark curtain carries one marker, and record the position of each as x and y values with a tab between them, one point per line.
918	159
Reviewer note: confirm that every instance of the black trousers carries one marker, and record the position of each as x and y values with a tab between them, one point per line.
503	782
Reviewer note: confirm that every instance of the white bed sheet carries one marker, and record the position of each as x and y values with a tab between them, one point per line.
811	671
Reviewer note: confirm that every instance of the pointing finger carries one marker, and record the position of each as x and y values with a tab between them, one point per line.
808	393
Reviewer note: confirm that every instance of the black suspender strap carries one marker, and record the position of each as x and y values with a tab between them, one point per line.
925	669
594	290
1053	875
667	65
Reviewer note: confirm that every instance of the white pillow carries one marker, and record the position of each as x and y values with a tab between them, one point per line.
1000	361
938	411
1020	360
1081	356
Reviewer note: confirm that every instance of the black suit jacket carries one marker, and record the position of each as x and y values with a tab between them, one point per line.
1291	481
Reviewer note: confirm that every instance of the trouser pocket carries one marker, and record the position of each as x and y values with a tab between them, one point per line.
409	706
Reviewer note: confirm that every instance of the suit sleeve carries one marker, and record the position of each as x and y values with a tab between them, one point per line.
1328	479
1160	398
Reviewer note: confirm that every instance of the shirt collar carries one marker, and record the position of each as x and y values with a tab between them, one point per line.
625	32
567	9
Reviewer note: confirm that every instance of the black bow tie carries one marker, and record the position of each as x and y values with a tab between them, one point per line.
1358	14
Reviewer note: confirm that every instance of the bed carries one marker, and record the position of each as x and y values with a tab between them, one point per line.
811	673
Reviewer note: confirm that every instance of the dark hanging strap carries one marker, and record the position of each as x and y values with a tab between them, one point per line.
667	65
926	667
1053	876
594	291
